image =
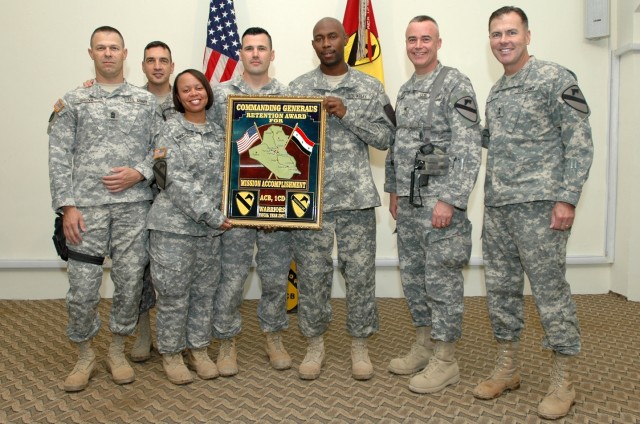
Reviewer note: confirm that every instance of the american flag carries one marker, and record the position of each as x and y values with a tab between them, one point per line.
221	56
248	139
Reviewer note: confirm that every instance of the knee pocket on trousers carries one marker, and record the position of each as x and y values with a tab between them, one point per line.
451	247
168	272
165	281
543	257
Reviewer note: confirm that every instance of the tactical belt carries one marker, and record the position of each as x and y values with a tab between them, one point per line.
81	257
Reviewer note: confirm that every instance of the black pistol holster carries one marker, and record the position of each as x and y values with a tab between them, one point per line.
60	243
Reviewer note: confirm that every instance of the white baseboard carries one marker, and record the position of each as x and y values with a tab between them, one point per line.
52	283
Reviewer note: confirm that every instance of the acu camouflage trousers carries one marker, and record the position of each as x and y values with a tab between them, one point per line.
185	270
355	233
118	231
148	296
431	263
516	240
273	260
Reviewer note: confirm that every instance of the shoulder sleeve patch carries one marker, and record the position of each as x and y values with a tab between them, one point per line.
160	173
574	98
466	107
58	107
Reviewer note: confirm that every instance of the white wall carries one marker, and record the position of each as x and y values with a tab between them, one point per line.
625	275
45	43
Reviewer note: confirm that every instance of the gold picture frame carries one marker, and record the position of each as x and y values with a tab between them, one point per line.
274	161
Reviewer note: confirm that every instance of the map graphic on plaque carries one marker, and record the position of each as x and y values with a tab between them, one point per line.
274	161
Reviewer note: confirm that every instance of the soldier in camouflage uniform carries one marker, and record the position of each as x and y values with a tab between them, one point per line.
355	105
539	154
99	157
273	254
185	222
157	67
436	112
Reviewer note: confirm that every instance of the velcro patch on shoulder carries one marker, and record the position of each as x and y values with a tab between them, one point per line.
160	153
466	106
58	106
574	98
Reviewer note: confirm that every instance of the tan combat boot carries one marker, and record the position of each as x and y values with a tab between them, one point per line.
198	360
174	367
361	367
312	363
442	370
278	356
228	358
84	369
560	396
505	375
117	364
141	350
418	357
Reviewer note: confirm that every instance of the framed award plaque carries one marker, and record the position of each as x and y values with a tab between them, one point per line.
274	161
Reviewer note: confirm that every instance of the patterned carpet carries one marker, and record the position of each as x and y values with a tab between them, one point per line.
35	357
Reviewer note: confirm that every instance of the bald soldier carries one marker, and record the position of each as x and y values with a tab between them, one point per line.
355	105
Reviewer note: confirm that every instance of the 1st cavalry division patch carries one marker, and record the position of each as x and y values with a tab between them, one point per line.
466	107
245	201
573	97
